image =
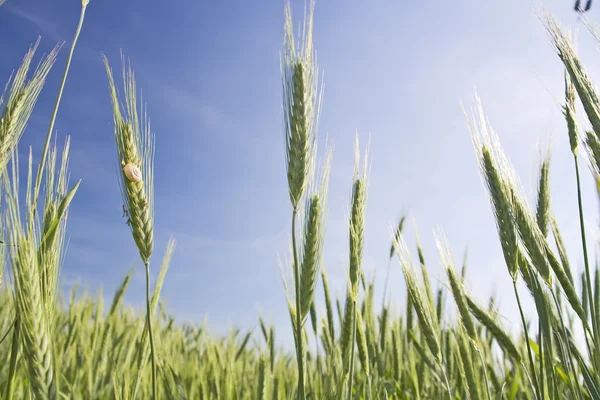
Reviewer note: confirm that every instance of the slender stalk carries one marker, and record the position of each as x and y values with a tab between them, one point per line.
299	345
527	373
13	358
487	383
593	310
570	356
542	359
529	351
351	369
446	381
40	172
150	333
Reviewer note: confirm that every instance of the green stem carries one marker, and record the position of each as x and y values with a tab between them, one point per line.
588	276
529	351
13	359
570	356
299	331
38	180
351	368
542	359
522	364
446	381
487	383
150	334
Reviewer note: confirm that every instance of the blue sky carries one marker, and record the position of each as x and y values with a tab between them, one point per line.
209	71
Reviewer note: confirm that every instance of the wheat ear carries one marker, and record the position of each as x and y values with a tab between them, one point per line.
34	321
22	98
135	148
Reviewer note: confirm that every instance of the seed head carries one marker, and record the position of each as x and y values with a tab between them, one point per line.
301	107
569	112
135	151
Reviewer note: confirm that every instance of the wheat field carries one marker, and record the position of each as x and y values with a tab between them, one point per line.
59	345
